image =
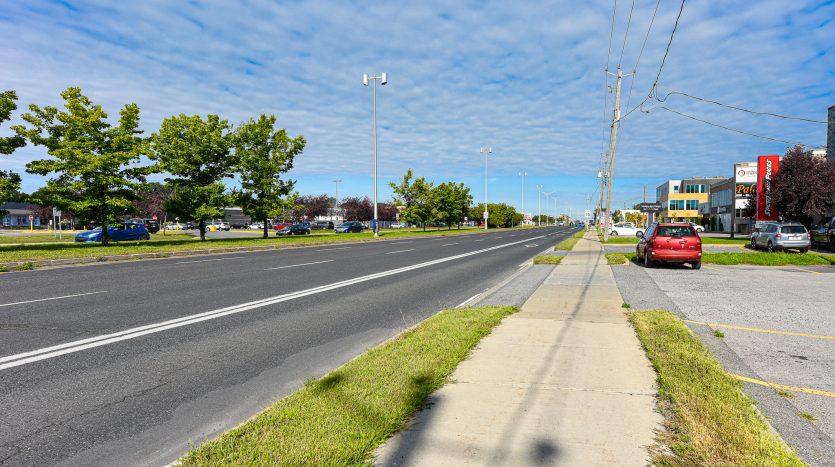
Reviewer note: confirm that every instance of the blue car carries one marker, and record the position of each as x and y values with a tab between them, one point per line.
117	233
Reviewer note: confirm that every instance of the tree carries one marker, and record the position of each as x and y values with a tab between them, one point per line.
263	155
95	165
310	206
196	153
635	217
617	216
387	211
9	181
414	196
804	188
356	208
450	203
151	198
501	215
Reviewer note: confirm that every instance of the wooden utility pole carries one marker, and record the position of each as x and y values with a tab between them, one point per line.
612	144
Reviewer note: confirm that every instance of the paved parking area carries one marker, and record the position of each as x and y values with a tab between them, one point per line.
779	333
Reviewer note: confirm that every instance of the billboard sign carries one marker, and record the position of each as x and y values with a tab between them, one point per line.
767	168
650	207
745	179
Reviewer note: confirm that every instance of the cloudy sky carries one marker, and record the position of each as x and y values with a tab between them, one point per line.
525	78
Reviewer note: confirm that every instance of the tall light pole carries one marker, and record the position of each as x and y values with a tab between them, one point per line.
547	204
485	151
539	216
336	199
523	175
383	78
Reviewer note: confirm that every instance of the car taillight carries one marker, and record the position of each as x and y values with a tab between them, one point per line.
778	236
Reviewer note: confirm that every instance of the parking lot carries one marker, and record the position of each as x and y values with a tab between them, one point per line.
776	332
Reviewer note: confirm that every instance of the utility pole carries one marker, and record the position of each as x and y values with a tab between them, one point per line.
336	200
523	175
612	144
539	218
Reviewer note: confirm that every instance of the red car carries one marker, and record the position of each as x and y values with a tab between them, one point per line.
669	243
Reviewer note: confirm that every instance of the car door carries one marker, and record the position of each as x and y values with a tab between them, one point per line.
765	234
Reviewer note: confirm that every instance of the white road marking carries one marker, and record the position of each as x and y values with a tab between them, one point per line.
480	240
462	304
24	358
450	244
297	265
331	249
204	260
399	251
398	243
53	298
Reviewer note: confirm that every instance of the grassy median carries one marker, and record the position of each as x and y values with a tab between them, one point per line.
618	258
705	240
568	243
710	420
548	259
343	417
753	259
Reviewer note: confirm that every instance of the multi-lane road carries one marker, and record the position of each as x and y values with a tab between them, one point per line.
130	363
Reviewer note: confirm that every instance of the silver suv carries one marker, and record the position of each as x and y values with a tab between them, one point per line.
781	236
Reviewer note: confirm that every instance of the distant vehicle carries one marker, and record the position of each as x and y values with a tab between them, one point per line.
824	233
624	229
297	229
579	224
398	225
436	224
150	224
561	223
217	225
697	227
781	236
280	225
118	233
174	226
670	243
322	225
350	227
189	226
256	226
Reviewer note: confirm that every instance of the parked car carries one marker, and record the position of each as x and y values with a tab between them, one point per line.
322	225
121	232
824	233
669	243
579	224
624	229
281	225
781	236
150	224
397	225
297	229
561	223
696	226
350	227
256	226
217	224
174	226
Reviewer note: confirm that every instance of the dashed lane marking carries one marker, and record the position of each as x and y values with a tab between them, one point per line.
297	265
53	298
399	251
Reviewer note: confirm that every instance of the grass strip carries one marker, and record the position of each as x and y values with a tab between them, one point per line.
160	244
10	241
710	420
705	241
548	259
617	258
343	417
568	243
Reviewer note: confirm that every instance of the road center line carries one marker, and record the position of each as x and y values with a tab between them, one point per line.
331	249
450	244
53	298
205	260
12	361
297	265
399	251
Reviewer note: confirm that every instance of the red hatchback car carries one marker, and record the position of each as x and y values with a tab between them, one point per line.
669	243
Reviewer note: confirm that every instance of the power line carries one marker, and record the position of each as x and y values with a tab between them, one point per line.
646	37
626	34
672	93
720	126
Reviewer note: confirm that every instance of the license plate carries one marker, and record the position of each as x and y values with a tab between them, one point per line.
794	237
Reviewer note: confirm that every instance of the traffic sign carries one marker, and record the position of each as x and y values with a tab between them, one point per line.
485	214
31	217
154	217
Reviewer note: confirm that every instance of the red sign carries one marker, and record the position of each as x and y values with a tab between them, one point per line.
155	217
31	217
767	168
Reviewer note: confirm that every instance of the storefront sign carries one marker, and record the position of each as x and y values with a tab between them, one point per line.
746	189
650	207
768	166
745	179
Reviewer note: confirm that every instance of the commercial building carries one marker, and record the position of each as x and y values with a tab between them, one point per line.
680	199
17	215
717	211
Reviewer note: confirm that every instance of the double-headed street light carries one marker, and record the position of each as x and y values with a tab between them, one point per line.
523	175
539	198
485	151
547	204
383	81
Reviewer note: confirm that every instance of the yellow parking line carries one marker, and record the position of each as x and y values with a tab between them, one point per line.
808	270
741	247
816	392
769	331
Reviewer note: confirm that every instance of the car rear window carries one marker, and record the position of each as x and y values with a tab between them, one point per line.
793	229
675	231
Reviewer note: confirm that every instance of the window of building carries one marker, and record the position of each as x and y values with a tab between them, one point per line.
675	188
692	204
676	204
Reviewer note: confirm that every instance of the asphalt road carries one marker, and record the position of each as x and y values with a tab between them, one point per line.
130	363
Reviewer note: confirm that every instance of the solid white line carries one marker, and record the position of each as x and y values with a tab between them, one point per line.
53	298
399	251
204	260
480	240
297	265
331	249
461	305
12	361
398	243
450	244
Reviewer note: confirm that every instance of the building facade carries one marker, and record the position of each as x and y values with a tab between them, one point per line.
680	199
718	210
17	215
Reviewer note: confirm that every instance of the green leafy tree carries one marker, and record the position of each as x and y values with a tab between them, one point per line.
263	155
9	181
95	166
501	215
414	195
804	188
197	155
450	203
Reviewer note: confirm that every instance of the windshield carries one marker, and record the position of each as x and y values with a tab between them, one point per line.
676	231
793	229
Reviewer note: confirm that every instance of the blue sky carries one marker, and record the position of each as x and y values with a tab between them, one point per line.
525	78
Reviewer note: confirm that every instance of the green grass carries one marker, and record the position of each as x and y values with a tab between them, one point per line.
710	421
568	243
25	266
617	258
785	394
626	305
718	333
3	268
548	259
343	417
11	241
705	241
180	242
807	416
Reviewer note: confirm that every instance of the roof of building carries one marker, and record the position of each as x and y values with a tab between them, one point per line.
15	205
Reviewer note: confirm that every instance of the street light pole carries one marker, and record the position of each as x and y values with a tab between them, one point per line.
383	78
539	199
547	203
336	200
485	151
523	175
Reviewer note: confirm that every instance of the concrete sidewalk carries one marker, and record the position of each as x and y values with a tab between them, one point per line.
562	382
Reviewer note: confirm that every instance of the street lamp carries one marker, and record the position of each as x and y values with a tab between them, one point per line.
383	78
523	175
539	216
336	200
547	203
485	151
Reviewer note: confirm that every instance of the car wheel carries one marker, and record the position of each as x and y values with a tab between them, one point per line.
804	250
832	244
770	247
697	265
648	263
144	237
613	234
